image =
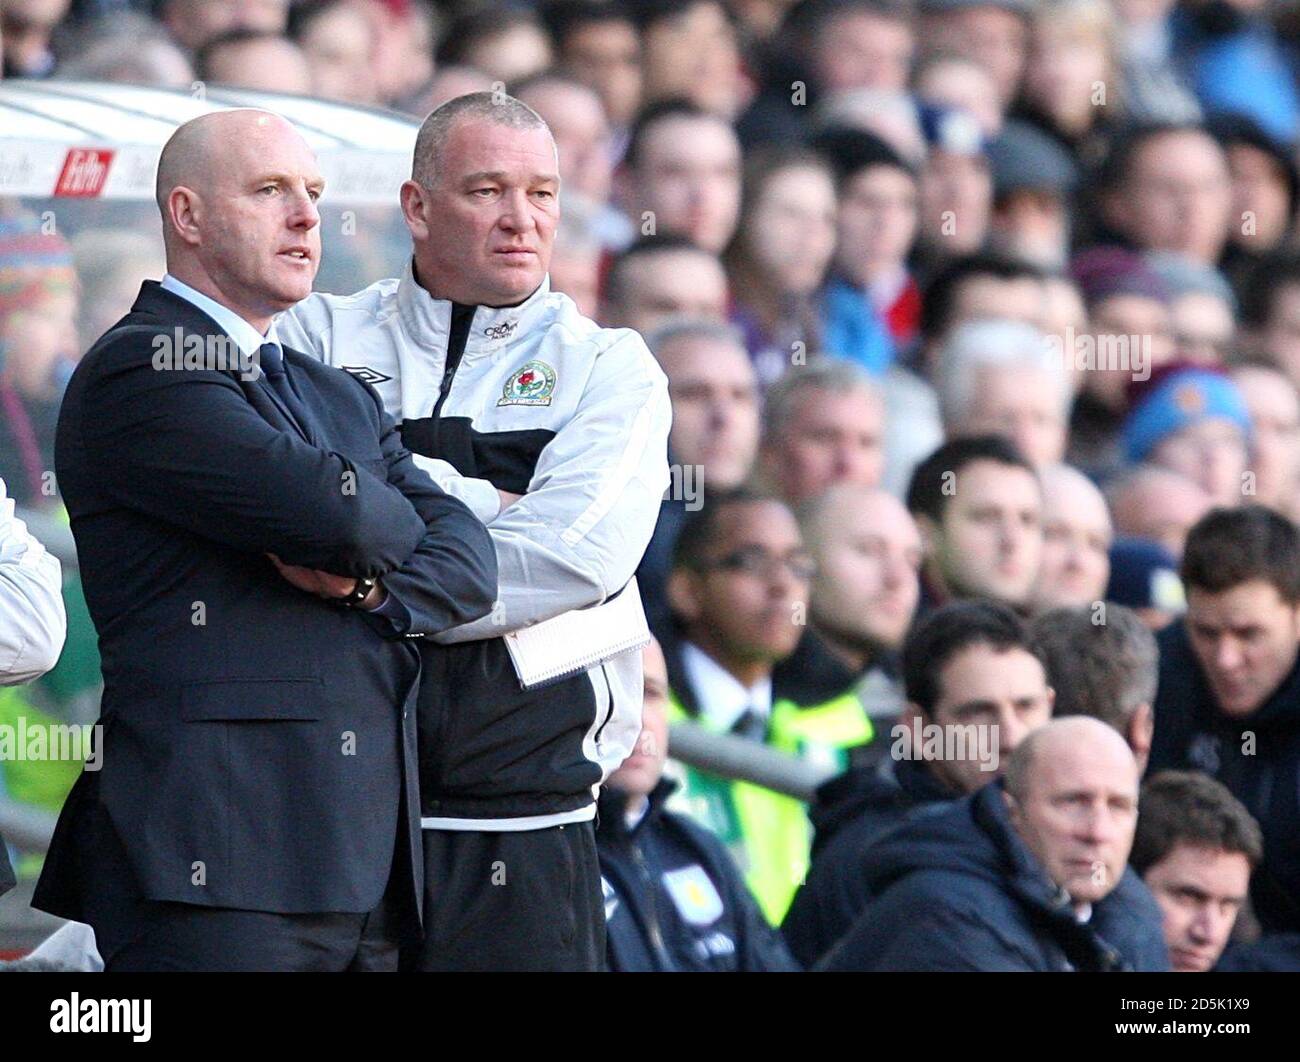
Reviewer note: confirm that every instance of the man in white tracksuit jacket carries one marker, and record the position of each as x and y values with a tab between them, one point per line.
554	432
33	623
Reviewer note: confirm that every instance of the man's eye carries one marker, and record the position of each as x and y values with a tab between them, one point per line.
544	193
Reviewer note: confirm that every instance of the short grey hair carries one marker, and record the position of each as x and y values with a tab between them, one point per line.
677	329
1106	670
434	133
993	344
824	373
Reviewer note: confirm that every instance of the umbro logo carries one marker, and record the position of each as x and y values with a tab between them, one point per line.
501	331
366	374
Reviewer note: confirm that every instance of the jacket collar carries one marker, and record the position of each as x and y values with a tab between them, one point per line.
429	319
612	806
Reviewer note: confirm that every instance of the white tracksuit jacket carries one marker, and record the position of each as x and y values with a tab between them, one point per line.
545	403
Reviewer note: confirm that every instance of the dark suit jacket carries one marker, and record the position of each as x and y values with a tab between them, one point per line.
7	880
258	741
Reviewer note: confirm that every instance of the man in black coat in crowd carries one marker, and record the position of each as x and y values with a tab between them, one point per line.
969	663
1229	697
1028	874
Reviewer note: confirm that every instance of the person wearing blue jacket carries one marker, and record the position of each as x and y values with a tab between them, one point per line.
1026	874
674	899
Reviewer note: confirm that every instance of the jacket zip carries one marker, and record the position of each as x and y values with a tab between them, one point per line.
457	340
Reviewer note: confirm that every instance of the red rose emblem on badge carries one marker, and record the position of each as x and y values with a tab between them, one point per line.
526	379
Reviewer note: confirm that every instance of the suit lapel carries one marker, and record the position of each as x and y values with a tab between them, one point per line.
156	300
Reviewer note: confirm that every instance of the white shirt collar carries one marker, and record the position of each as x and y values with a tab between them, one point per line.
246	337
720	695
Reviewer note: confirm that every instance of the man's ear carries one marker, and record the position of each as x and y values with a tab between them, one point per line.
684	595
1141	731
412	198
929	534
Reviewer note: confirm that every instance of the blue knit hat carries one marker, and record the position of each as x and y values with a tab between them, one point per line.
1178	399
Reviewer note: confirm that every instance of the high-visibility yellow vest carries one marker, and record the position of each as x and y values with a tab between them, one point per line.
769	833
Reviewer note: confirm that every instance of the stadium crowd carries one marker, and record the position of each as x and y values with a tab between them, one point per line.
981	325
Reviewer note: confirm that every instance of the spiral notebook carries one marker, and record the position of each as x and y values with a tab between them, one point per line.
579	640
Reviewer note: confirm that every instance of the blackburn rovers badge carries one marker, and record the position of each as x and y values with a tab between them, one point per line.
530	386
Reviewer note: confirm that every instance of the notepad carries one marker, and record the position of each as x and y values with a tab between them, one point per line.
579	640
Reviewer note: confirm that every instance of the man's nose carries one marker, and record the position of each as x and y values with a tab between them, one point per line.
1202	926
515	216
1227	654
304	214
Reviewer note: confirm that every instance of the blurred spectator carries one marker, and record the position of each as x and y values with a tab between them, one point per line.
968	664
871	283
674	899
1275	436
598	43
448	82
862	44
715	400
960	84
1194	421
338	42
1195	847
111	265
689	50
1230	686
127	48
1144	577
577	121
682	175
1033	178
1064	317
739	593
979	506
892	116
1008	880
1265	193
1076	541
1129	334
778	260
974	288
25	41
1233	60
575	262
1102	664
402	55
39	348
864	595
1153	87
956	188
252	59
195	22
506	43
1071	88
662	277
1270	310
714	435
823	424
1003	378
1202	308
1167	188
992	33
1157	504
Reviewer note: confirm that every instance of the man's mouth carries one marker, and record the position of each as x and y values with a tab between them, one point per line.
298	254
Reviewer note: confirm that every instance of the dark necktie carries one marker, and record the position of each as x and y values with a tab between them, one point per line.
272	363
751	725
